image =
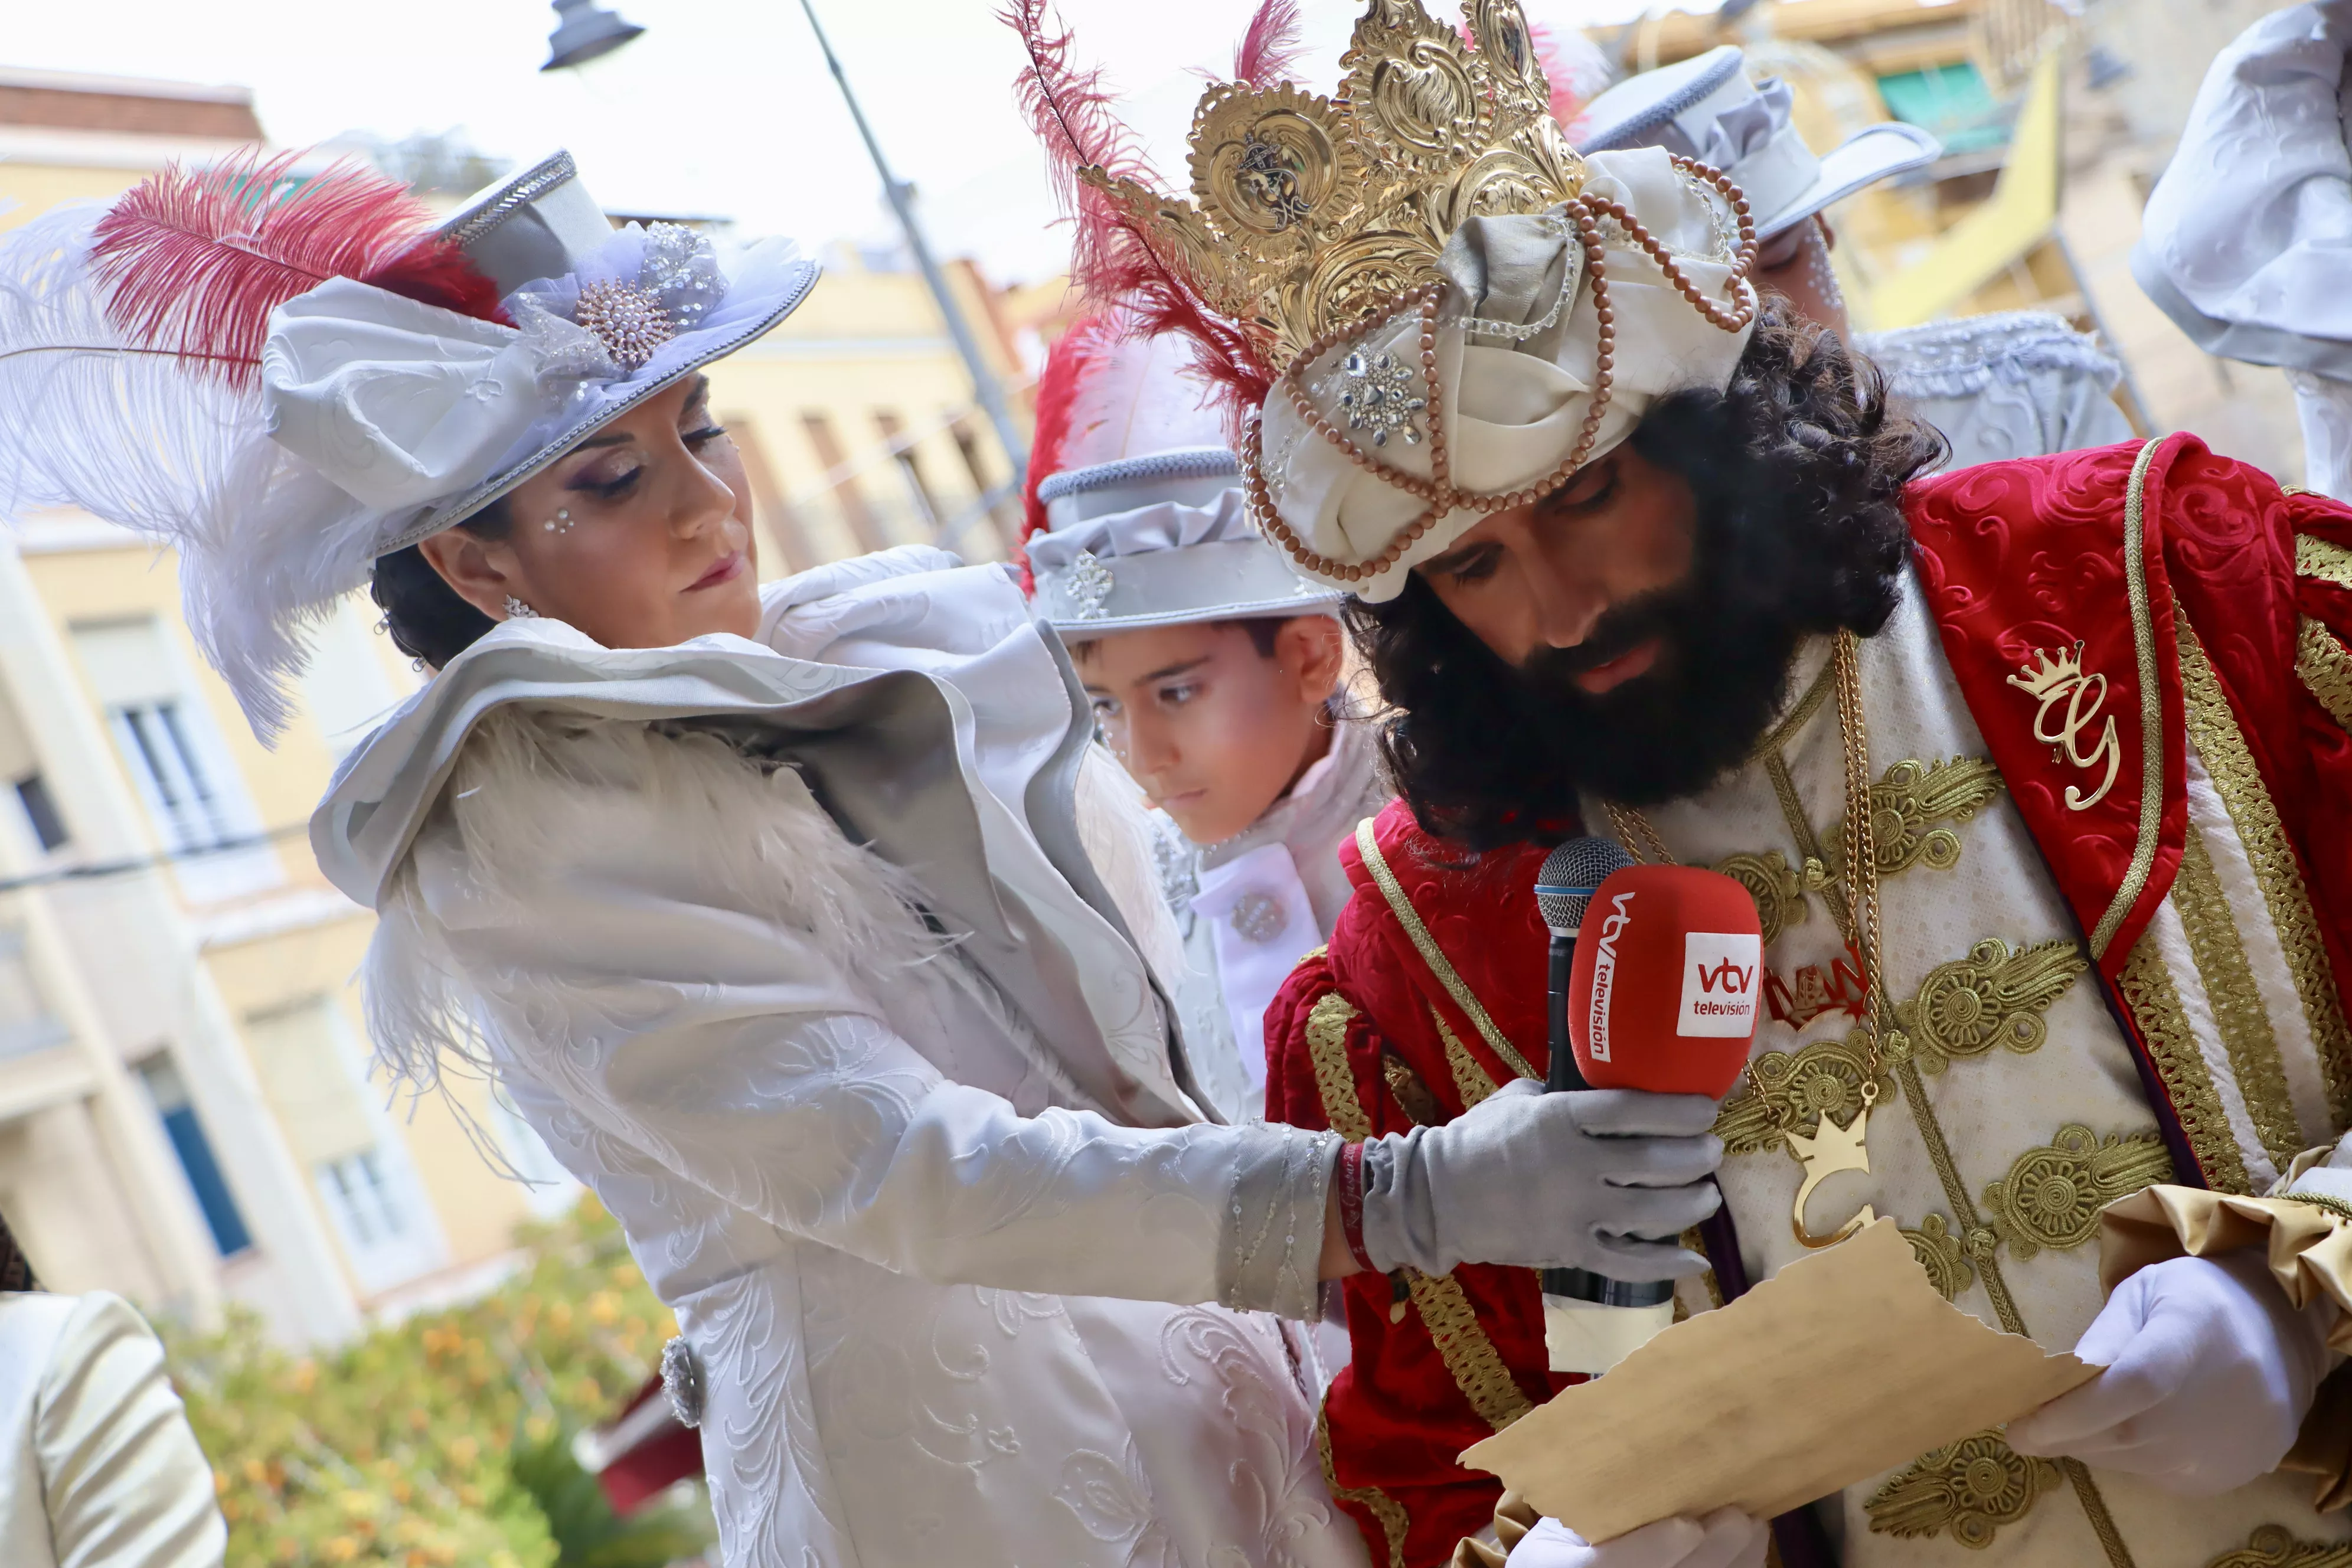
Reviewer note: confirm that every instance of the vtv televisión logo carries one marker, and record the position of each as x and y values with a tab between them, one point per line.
1720	970
1604	976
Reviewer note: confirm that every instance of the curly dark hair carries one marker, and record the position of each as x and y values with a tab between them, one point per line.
425	617
1796	470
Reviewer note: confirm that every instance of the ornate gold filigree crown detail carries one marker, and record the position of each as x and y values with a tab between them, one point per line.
2060	667
1310	213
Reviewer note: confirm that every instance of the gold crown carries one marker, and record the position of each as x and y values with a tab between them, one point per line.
1310	213
2060	668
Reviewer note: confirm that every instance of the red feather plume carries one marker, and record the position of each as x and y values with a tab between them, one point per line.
193	261
1114	263
435	271
1270	48
1066	363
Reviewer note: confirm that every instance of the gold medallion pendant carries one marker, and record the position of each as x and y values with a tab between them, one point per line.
1834	1147
1829	1151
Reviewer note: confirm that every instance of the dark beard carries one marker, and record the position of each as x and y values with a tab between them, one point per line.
1796	472
1721	675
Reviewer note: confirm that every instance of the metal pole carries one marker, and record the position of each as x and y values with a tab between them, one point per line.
984	387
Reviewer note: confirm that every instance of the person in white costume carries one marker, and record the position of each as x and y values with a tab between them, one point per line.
2017	384
1214	676
98	1467
791	917
2248	235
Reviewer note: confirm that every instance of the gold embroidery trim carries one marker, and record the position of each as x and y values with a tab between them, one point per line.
1326	1048
2325	670
2147	991
2272	1546
1909	800
1779	891
1943	1255
1470	1079
1432	955
1993	996
1469	1355
1799	716
2243	1022
2052	1193
2151	708
1789	1091
1394	1522
2214	732
1968	1489
2322	561
1978	1238
1476	1365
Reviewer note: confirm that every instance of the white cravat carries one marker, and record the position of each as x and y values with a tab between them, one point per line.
1262	925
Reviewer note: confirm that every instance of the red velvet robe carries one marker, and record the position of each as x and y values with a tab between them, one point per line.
2014	557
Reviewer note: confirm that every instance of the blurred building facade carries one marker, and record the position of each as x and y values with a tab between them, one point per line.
186	1111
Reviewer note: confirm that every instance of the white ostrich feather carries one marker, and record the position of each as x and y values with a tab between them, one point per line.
157	443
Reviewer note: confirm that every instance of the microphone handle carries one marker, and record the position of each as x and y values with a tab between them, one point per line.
1560	1073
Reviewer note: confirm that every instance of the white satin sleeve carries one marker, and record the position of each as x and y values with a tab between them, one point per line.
688	954
125	1481
2243	243
833	1129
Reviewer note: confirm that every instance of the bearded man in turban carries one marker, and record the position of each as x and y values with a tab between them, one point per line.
2038	772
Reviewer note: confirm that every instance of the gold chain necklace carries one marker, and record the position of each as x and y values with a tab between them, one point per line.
1832	1149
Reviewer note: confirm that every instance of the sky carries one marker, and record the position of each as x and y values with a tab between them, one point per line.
722	108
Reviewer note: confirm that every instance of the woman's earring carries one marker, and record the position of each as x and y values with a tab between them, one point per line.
518	611
561	523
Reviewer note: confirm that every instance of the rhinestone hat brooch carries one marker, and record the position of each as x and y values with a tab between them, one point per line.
675	287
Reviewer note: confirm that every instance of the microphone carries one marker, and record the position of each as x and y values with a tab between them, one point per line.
1661	996
1565	886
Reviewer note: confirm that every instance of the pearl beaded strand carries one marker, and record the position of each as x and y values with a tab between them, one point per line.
1438	489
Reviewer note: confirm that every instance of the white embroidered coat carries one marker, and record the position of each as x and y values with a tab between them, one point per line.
934	1206
2010	1110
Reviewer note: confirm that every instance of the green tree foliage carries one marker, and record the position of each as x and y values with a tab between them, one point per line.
588	1533
441	1440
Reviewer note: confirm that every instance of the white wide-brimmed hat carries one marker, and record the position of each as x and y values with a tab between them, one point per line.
1706	107
1138	518
286	377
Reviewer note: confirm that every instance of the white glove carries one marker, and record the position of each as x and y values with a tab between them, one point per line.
1724	1539
1602	1179
2209	1372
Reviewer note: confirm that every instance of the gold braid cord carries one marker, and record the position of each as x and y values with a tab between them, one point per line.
1314	219
1469	1354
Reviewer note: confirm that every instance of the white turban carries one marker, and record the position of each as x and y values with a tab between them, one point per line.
1513	410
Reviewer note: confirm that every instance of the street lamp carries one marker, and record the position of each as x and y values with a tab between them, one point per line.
583	31
985	389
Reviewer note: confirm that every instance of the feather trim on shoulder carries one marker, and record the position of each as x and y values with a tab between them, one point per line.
541	803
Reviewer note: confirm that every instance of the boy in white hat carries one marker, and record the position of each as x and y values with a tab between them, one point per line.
1215	677
2017	384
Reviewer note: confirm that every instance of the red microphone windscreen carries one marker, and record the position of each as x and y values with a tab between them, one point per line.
1668	973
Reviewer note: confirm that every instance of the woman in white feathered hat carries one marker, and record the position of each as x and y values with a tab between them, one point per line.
790	918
